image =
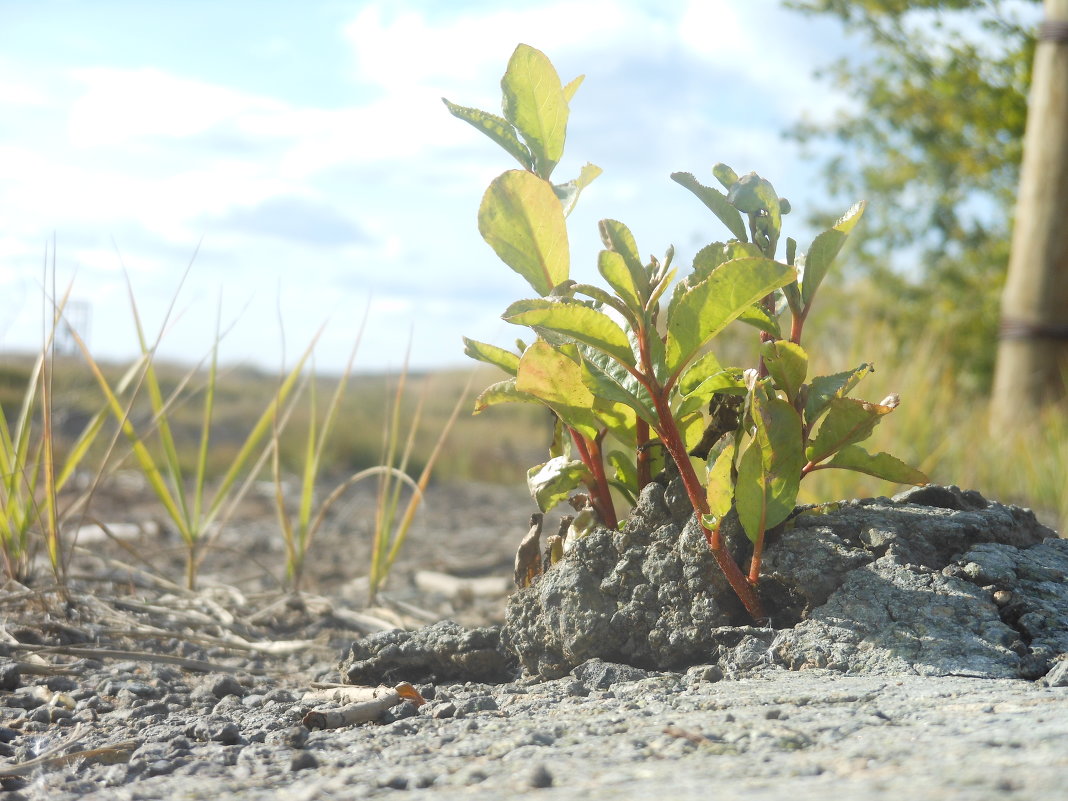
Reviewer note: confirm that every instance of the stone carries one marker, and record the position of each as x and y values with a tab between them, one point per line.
440	652
878	585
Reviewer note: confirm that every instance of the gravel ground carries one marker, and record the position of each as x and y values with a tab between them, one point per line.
127	690
613	733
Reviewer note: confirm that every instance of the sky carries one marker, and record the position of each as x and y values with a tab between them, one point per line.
302	154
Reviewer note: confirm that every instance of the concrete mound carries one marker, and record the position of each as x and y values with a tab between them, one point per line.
935	581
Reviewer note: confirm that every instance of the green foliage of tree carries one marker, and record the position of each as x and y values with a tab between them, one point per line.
934	142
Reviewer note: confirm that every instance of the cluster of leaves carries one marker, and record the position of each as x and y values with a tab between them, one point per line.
618	364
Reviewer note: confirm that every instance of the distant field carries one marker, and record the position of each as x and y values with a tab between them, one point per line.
496	446
940	426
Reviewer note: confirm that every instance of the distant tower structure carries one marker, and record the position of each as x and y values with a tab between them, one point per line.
76	317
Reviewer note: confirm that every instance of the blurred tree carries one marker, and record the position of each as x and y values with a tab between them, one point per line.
934	141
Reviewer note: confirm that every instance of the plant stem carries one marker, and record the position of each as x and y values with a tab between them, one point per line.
600	496
669	433
754	564
645	469
797	323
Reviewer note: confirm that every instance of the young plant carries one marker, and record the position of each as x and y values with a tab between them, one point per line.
786	428
188	504
30	479
299	527
614	362
392	524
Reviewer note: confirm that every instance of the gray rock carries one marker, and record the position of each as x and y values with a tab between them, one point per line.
436	653
893	618
881	586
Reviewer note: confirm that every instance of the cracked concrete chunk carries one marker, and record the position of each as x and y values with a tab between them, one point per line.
889	618
879	585
439	652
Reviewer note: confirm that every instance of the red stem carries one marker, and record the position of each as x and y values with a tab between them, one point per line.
645	468
600	495
669	433
797	323
754	564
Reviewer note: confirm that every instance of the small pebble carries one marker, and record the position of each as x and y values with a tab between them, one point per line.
302	760
540	777
446	710
227	685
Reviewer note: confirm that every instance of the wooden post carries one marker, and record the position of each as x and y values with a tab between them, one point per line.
1032	363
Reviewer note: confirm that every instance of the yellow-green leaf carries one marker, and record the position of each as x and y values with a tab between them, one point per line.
769	472
848	421
612	266
554	481
881	465
491	354
535	103
720	488
522	220
496	128
576	320
788	365
572	87
501	392
824	250
556	380
701	312
618	238
570	191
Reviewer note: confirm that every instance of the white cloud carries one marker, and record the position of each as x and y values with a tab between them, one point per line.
400	48
123	105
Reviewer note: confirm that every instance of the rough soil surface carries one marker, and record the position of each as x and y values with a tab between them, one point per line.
936	581
130	688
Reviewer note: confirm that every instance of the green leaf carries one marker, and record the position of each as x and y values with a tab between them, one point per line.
569	192
605	298
824	250
698	314
703	368
711	256
501	392
848	421
572	87
791	250
555	379
881	465
787	364
491	354
769	472
496	128
574	319
725	175
522	220
752	194
613	268
617	237
826	388
720	486
691	429
758	317
716	201
552	482
730	381
608	381
535	103
626	475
